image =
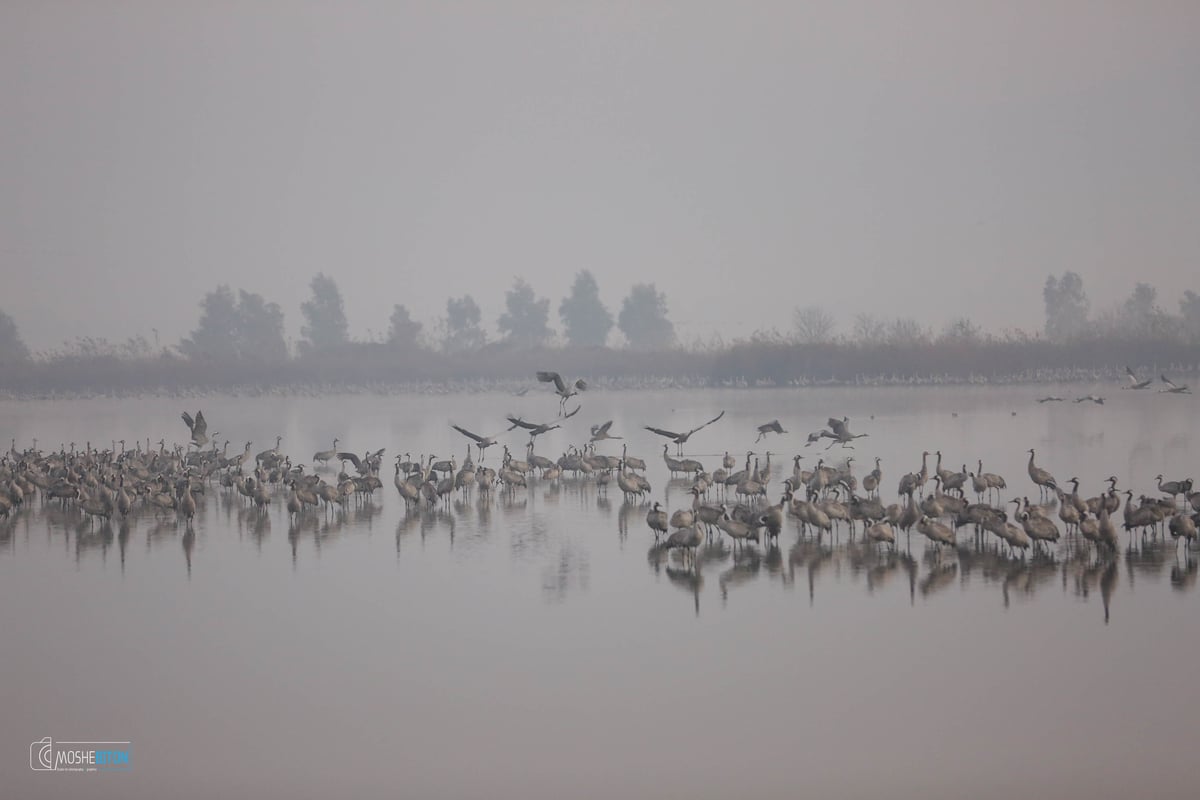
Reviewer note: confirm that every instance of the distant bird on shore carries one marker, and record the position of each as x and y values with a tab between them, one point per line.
1134	383
1090	398
564	390
680	439
1173	388
1050	399
771	427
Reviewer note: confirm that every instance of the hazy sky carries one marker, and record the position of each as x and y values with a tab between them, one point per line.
918	159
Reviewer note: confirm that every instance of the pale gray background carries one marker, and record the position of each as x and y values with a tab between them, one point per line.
918	158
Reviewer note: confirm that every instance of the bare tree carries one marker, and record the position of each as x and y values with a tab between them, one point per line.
961	331
907	331
812	324
869	329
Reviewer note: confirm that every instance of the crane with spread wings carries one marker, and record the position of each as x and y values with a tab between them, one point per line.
367	465
564	390
601	432
1134	383
198	427
773	426
680	439
536	429
1173	388
838	431
481	442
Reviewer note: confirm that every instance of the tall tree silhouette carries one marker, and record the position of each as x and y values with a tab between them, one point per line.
643	318
524	321
586	321
324	316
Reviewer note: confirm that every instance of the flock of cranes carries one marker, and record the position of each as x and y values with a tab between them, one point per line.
724	502
823	499
1135	384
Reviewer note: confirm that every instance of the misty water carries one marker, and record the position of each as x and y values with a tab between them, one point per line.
538	645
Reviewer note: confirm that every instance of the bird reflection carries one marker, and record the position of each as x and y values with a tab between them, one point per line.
123	541
689	579
189	543
1183	578
746	566
938	577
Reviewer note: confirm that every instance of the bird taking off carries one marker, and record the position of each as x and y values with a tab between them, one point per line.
681	438
1173	388
601	432
1050	399
1134	383
481	442
771	427
839	432
564	390
198	427
537	429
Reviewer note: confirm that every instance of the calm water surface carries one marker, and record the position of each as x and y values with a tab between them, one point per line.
538	645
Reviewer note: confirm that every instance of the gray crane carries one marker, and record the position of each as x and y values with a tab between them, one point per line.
564	390
771	427
481	442
680	439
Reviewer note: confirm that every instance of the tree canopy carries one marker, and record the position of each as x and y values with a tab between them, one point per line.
12	348
463	329
524	321
325	324
402	329
242	328
1189	310
643	318
586	321
1066	307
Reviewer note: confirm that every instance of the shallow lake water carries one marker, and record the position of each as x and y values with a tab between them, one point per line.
539	645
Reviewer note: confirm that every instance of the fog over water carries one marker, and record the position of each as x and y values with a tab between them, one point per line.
538	644
927	159
851	209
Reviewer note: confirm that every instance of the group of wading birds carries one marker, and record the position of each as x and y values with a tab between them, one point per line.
105	483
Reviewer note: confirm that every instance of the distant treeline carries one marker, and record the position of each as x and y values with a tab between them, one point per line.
377	366
239	343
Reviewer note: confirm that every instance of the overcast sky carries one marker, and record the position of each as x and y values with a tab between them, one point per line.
919	159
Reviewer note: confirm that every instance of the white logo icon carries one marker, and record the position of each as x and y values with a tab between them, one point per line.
41	754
